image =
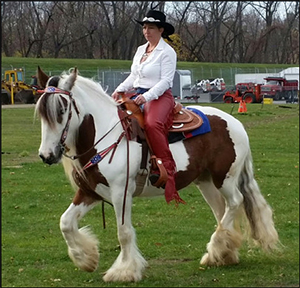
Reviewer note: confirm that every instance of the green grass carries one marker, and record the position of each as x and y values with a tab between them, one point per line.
34	196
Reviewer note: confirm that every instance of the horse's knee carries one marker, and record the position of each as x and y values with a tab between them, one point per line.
65	224
69	219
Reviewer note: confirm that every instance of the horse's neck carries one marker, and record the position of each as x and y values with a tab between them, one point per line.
106	119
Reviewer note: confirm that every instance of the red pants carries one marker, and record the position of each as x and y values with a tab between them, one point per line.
158	118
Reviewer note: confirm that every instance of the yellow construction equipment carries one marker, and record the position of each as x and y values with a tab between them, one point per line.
15	90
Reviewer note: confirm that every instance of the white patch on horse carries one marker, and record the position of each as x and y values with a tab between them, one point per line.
180	155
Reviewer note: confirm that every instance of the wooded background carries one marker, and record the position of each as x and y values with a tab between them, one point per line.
210	31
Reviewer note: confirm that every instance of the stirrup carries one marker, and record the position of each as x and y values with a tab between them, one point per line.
154	178
162	177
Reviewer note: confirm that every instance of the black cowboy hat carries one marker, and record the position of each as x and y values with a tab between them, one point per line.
159	18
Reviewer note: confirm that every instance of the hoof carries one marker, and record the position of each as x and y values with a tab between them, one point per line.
122	276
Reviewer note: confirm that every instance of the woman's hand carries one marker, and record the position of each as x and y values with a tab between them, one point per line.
116	95
139	100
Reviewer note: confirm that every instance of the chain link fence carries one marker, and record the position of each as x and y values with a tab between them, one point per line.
110	78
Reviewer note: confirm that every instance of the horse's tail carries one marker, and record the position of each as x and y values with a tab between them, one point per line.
258	211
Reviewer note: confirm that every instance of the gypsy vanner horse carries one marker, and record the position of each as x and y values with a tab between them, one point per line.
80	126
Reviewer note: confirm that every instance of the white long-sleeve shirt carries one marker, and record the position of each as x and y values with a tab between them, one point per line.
156	73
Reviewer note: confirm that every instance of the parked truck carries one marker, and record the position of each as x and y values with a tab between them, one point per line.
280	88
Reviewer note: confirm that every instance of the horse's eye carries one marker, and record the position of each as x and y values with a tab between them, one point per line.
62	110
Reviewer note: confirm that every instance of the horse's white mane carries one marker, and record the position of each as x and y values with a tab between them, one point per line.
89	86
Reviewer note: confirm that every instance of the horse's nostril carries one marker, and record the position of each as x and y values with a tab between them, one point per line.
50	159
42	157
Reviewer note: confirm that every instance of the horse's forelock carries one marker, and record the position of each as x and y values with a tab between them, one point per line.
49	108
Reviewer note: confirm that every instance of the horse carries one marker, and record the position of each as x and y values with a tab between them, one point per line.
81	125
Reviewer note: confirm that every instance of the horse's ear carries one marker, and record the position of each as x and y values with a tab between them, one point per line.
42	78
70	82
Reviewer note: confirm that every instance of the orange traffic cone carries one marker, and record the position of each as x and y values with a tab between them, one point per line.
242	107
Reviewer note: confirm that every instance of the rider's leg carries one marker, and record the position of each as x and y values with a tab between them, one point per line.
158	118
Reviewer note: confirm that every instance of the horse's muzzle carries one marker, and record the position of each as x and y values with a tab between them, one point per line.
52	158
49	160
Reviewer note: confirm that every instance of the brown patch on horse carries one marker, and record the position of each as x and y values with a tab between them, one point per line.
86	196
211	155
93	177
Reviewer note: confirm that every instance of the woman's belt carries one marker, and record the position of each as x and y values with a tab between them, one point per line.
140	90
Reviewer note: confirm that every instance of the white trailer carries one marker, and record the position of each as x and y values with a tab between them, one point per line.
291	73
257	78
182	83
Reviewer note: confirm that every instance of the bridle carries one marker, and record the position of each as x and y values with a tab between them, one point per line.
63	147
64	134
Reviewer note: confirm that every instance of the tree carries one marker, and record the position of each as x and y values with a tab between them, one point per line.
207	31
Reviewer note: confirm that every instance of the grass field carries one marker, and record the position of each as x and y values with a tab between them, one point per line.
172	240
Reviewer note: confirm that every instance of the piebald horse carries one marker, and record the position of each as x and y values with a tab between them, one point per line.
80	126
